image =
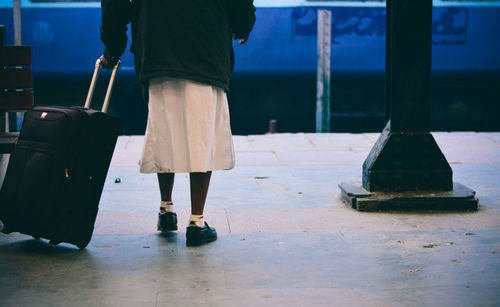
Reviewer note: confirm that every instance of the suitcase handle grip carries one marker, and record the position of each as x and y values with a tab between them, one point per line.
98	66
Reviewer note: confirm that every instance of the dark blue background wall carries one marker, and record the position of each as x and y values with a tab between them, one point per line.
275	72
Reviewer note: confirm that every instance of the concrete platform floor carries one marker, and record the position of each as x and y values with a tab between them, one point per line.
285	238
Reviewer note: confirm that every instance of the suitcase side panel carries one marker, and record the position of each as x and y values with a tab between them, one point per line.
87	179
36	171
28	196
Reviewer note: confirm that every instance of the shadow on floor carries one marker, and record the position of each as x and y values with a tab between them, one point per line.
40	247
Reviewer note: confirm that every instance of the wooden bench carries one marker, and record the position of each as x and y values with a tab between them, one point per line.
16	88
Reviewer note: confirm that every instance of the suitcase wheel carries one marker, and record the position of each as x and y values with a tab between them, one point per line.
5	229
53	242
81	246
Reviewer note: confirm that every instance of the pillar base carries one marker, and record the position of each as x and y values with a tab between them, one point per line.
460	198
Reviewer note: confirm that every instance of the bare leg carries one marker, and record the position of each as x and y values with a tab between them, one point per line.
167	219
199	189
166	182
201	234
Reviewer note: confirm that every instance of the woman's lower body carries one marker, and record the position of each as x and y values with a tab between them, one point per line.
188	131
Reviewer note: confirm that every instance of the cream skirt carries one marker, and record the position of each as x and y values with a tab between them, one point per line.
188	128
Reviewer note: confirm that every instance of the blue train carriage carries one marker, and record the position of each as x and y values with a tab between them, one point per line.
275	72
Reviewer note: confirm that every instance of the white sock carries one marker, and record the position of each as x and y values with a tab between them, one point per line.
196	220
166	206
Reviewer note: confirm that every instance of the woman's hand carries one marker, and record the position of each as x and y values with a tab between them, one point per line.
108	64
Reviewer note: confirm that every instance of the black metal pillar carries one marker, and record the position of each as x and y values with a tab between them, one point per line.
406	169
2	34
409	33
2	114
406	157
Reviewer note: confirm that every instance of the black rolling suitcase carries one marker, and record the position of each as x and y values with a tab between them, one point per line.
57	170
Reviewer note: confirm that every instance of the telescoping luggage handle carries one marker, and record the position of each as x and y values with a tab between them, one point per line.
98	66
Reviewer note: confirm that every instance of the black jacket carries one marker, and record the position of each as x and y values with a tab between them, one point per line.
189	39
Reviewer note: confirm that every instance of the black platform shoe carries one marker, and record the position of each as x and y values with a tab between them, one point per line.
167	221
196	236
